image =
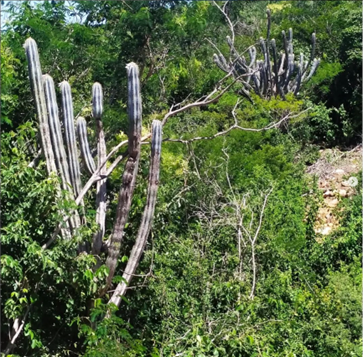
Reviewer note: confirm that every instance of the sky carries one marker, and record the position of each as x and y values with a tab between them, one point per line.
5	16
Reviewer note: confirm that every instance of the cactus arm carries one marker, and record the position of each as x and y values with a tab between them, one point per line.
263	49
281	64
223	61
304	71
286	49
36	82
219	63
300	68
131	168
256	84
274	56
70	137
252	53
296	88
313	68
97	101
263	82
55	130
289	71
266	66
312	53
83	143
276	71
97	108
291	50
147	216
57	142
268	63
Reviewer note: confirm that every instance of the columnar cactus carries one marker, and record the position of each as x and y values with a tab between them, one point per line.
272	76
65	160
57	141
84	146
131	168
36	82
97	108
147	216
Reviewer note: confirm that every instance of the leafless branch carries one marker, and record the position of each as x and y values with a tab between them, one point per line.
222	10
270	126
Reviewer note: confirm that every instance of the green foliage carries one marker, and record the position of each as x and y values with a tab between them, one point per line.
8	83
111	336
191	295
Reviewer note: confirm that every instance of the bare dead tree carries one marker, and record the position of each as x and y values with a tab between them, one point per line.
236	211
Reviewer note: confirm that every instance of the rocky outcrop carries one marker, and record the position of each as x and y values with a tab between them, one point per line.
334	170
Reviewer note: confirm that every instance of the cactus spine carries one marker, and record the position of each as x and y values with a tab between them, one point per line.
131	168
36	81
97	108
84	146
277	74
147	216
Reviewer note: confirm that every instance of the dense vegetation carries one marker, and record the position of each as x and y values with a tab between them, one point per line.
194	292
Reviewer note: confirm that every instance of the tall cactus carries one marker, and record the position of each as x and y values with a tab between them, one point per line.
57	141
147	216
65	158
36	82
276	74
97	109
131	168
62	155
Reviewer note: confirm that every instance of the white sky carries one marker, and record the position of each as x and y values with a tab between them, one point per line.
5	15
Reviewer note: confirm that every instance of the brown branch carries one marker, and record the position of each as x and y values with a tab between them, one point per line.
238	127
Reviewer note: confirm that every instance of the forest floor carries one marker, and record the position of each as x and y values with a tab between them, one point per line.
334	170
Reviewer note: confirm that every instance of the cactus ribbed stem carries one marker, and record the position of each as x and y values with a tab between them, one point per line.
70	137
97	100
97	106
313	68
223	61
252	52
84	146
312	53
290	70
36	81
134	108
147	216
290	46
57	141
131	168
55	130
298	80
219	63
